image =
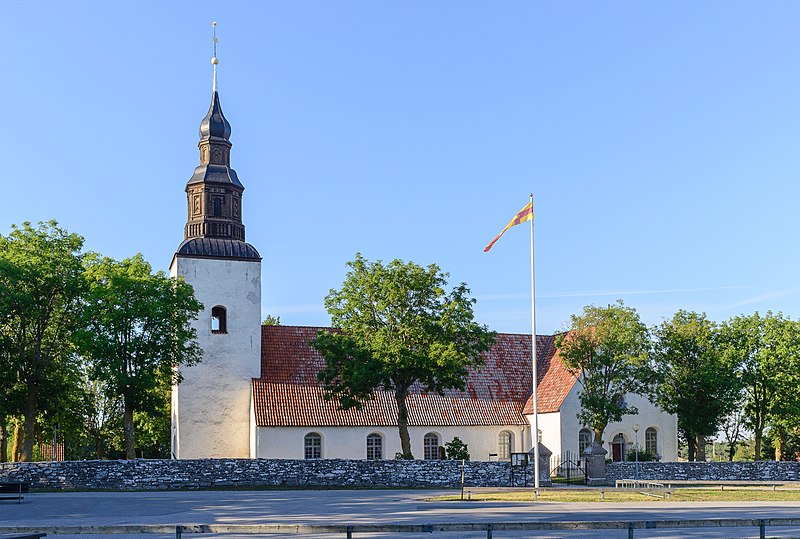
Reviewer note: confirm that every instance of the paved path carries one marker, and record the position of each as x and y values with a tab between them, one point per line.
368	506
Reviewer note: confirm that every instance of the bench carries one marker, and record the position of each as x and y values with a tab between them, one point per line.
13	491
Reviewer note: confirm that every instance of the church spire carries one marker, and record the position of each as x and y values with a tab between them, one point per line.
214	191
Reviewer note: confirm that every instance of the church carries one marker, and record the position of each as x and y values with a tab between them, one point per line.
255	393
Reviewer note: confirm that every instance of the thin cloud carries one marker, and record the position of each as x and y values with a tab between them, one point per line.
598	293
764	297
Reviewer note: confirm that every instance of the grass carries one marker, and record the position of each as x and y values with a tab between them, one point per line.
612	495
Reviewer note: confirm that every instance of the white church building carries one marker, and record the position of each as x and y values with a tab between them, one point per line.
255	393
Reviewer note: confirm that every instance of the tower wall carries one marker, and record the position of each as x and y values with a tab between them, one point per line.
211	407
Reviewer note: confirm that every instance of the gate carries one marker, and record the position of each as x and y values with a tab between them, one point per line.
568	468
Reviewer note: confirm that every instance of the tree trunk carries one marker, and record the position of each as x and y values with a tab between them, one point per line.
31	411
402	423
701	448
691	446
758	434
3	441
731	450
598	434
127	427
17	445
779	446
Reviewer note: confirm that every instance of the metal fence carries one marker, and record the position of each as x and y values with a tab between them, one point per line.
350	531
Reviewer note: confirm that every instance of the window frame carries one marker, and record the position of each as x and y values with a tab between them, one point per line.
312	446
219	314
375	447
430	450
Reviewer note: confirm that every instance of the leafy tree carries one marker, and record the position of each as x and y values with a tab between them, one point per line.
456	449
136	333
732	428
399	328
767	349
606	350
41	280
696	380
271	321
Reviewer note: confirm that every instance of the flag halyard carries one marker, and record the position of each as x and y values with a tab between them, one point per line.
522	216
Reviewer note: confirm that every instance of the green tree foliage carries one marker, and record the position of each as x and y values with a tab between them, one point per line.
399	328
606	350
136	332
696	380
41	281
456	449
767	348
271	321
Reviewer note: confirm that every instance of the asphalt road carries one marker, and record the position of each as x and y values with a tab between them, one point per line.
369	507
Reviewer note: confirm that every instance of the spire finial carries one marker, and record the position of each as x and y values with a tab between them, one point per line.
214	60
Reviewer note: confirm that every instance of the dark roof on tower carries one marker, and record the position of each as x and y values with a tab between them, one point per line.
289	394
218	248
215	126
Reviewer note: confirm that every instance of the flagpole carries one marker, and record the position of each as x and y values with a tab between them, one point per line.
535	434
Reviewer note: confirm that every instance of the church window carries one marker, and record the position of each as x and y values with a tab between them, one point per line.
216	207
505	441
313	446
374	446
584	440
219	322
431	446
651	441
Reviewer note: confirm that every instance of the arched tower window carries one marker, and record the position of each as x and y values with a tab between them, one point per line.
219	320
431	445
651	440
584	440
505	442
313	446
374	446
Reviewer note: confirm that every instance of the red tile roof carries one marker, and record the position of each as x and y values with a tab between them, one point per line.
288	393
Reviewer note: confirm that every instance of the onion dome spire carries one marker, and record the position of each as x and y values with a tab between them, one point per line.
214	227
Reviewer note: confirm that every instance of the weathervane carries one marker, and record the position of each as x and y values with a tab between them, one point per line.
214	60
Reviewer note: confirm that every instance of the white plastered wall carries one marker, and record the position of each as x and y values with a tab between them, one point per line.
211	408
351	442
649	416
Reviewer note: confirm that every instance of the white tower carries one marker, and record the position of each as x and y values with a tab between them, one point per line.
211	407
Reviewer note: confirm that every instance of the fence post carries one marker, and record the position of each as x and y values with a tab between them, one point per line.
178	532
489	530
349	532
630	530
762	532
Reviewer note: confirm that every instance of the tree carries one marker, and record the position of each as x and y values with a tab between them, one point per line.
767	349
136	333
606	348
695	379
271	321
398	328
41	275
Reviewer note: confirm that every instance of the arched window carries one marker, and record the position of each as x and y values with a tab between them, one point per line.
431	444
505	443
618	448
584	440
219	322
374	446
313	446
651	440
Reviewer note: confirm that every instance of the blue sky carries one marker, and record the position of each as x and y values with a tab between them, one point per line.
660	141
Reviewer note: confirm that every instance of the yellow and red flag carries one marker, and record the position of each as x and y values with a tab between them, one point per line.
523	215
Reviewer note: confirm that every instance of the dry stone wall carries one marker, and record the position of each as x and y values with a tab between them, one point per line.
141	474
705	471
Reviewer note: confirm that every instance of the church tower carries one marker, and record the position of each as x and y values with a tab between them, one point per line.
211	406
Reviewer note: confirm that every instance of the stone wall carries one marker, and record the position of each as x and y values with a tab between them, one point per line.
705	471
143	474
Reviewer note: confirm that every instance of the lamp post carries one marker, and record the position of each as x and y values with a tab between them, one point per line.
636	447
